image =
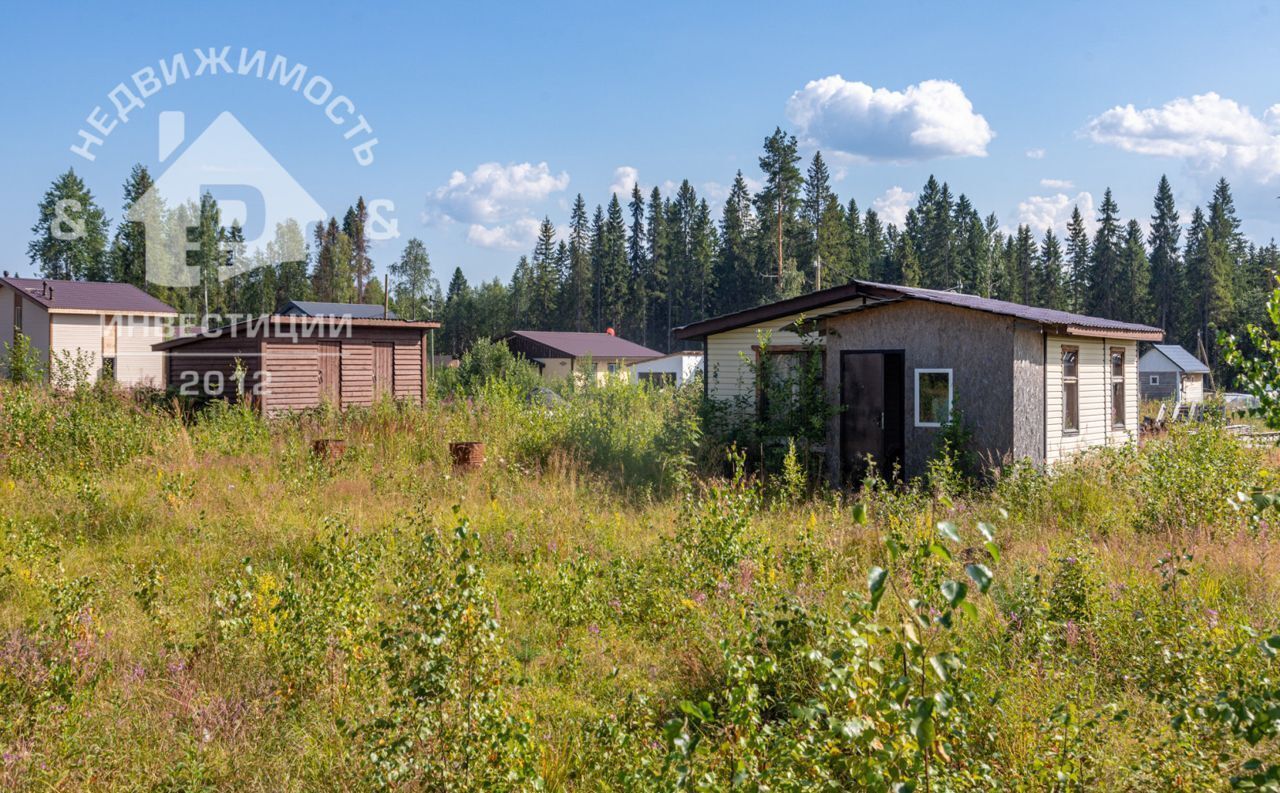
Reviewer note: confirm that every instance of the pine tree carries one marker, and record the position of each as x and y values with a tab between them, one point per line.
353	225
70	232
1105	277
1166	269
1078	255
777	204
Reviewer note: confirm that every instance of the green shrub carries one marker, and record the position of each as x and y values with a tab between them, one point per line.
21	361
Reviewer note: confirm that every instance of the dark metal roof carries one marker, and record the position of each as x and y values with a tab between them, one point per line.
276	324
57	295
1181	358
315	308
812	303
1079	324
581	345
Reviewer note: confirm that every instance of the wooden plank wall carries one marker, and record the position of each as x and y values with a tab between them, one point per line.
293	376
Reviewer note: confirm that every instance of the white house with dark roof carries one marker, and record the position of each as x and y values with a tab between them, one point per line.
1168	371
899	361
318	308
109	328
557	353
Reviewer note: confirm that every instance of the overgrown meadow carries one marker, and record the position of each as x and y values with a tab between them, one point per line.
193	600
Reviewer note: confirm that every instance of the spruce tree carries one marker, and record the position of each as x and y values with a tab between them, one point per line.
543	285
128	258
1049	286
1132	298
1078	255
638	262
833	243
859	254
69	237
1167	280
1023	281
457	322
905	261
813	207
878	265
1105	277
658	333
737	283
613	268
577	300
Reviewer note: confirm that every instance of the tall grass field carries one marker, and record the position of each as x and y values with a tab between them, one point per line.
194	600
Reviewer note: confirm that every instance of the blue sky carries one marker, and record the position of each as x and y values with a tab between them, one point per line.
1024	107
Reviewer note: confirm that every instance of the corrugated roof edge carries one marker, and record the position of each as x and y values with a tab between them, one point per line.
231	331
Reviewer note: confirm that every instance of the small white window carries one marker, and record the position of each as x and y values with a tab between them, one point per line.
1154	380
933	397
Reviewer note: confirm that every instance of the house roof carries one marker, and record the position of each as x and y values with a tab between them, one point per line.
87	296
253	326
580	345
316	308
1062	321
1180	358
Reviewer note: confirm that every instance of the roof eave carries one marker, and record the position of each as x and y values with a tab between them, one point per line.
1130	334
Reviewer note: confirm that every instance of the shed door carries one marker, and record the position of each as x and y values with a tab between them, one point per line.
871	423
383	369
330	368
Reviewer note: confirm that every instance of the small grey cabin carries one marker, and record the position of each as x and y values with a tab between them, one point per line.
1169	372
1031	383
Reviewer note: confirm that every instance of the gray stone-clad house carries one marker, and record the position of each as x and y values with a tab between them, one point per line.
1029	382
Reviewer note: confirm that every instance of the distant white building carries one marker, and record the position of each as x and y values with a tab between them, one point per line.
675	368
108	328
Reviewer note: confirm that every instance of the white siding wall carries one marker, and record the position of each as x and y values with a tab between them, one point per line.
1094	370
136	363
728	375
78	335
682	368
1192	388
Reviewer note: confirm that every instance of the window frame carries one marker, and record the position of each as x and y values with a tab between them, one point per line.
796	351
951	395
1153	379
1119	410
1070	405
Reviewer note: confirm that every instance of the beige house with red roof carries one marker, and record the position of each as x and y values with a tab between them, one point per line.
108	329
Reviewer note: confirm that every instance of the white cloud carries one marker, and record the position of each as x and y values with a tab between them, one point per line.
496	202
1210	132
1035	154
931	119
493	192
517	235
625	178
1057	184
1042	212
892	207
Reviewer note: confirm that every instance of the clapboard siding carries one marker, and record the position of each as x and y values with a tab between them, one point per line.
1095	396
357	373
408	370
136	363
77	338
731	355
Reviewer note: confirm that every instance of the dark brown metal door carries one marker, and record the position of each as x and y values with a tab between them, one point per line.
330	353
383	369
871	423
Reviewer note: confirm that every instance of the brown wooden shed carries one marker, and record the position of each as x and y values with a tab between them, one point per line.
295	362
